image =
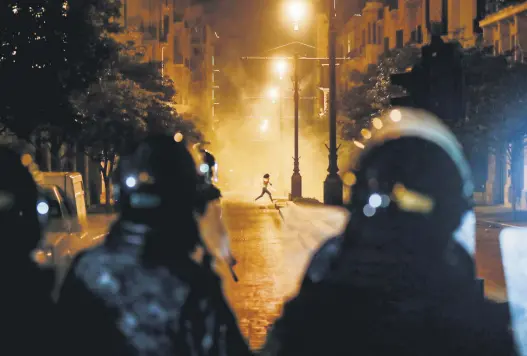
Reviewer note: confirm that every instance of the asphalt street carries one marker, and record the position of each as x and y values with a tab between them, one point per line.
273	246
271	261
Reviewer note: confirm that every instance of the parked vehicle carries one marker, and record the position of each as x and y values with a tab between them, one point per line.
67	232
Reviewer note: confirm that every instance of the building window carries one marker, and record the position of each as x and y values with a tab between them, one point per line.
196	36
419	34
496	47
444	17
349	43
178	58
380	15
125	13
213	64
392	4
363	38
513	45
165	28
399	39
379	35
152	30
386	45
204	29
374	33
369	33
178	15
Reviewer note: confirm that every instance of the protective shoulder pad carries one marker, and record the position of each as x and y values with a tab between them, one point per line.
320	264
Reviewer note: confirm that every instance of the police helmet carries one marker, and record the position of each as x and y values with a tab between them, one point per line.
411	176
159	174
23	210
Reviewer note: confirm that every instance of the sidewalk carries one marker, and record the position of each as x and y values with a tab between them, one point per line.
500	215
314	223
495	214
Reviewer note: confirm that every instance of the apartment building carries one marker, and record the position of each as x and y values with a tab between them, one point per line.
177	33
203	40
506	31
382	26
368	29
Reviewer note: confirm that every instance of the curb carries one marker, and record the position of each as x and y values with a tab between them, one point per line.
500	224
319	225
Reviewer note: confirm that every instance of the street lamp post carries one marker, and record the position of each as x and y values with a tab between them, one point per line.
163	61
296	178
281	135
333	182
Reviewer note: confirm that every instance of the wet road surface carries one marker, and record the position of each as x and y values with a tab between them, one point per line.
488	260
271	260
270	264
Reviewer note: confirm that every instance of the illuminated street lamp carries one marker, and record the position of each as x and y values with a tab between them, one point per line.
281	67
297	11
264	126
274	94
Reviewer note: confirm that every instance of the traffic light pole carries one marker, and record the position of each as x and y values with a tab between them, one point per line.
296	178
333	182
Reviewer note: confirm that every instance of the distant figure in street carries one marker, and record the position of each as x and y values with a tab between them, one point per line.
266	182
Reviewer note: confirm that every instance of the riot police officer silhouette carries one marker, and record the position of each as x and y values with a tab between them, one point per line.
141	292
401	279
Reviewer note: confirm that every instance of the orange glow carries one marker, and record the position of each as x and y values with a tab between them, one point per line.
178	137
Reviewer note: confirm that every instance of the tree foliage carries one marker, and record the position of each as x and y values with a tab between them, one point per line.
497	97
373	91
129	100
48	49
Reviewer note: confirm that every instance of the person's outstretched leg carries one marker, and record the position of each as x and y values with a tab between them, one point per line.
270	196
261	195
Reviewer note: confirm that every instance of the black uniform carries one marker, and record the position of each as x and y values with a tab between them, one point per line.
141	292
116	304
26	308
352	303
401	279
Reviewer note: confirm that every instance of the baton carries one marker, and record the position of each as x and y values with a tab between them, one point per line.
233	274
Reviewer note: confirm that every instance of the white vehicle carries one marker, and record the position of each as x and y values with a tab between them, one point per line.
66	233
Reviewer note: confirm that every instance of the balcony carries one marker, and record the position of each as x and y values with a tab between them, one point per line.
195	39
178	58
178	16
150	33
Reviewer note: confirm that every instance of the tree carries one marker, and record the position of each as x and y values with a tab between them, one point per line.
129	100
114	114
496	103
372	94
50	48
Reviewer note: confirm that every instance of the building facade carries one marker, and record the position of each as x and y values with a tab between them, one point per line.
179	34
382	26
506	31
371	28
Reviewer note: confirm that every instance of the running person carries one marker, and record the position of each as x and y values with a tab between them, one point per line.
266	182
